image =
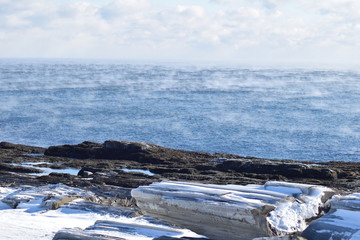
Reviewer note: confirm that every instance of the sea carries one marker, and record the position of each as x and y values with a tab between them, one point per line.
305	114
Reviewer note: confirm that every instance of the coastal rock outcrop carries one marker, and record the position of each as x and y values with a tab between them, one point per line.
123	150
102	163
286	169
231	211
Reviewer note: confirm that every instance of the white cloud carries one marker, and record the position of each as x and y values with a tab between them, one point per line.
217	29
119	8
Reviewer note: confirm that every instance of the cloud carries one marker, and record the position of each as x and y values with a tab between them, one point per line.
271	30
119	8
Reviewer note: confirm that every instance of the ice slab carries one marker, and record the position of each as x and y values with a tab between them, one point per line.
342	222
132	229
232	211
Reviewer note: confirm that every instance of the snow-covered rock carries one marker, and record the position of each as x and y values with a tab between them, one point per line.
125	230
46	197
281	238
28	212
232	211
342	222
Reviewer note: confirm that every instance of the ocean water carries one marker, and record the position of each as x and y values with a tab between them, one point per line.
300	114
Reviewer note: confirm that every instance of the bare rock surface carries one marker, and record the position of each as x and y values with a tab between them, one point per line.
232	211
102	164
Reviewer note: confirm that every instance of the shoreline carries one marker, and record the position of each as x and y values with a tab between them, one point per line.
100	159
141	181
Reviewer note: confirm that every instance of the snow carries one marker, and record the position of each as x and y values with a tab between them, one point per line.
21	224
46	170
355	236
293	203
33	220
33	154
290	216
138	170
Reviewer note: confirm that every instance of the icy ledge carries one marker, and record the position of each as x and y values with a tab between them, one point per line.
61	212
342	222
234	212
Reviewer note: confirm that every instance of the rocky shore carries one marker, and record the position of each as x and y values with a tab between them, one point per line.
103	163
110	170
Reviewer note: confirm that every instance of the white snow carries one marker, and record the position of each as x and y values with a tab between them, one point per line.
294	203
19	224
46	170
290	216
32	219
33	154
138	170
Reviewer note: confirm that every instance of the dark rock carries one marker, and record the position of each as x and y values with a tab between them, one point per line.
183	238
88	171
18	169
291	170
61	175
82	151
164	170
135	151
78	234
18	148
188	170
106	160
204	167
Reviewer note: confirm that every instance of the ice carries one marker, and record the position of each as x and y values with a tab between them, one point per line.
33	154
290	216
138	170
232	211
341	222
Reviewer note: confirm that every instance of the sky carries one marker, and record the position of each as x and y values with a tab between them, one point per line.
254	31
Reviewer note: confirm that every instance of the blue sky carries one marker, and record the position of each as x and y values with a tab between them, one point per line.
250	31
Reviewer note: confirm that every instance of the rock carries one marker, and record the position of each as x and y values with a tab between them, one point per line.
291	170
88	171
105	161
82	151
281	238
123	150
13	200
102	209
128	147
104	230
234	212
21	149
59	202
183	238
50	196
78	234
17	169
342	222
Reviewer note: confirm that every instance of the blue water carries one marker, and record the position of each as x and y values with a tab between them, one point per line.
301	114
